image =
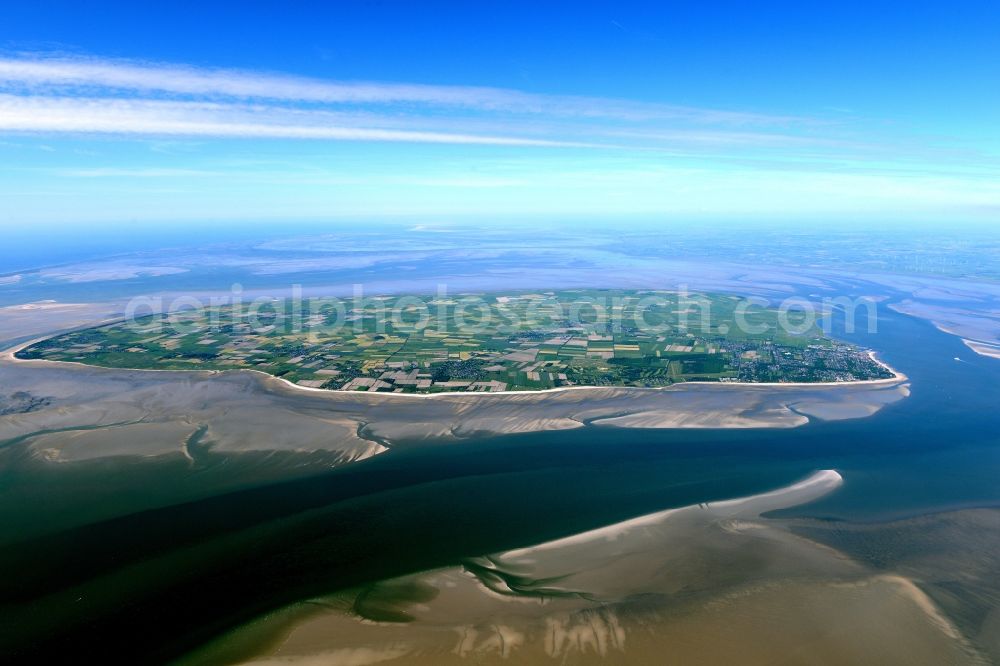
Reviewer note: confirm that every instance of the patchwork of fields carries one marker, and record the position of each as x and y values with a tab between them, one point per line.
479	342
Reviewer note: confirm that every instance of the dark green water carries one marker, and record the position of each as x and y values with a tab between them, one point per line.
152	585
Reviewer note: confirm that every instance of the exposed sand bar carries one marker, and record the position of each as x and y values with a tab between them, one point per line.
968	310
983	348
807	490
699	584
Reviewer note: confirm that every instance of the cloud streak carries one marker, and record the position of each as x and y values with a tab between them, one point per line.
170	118
157	78
101	96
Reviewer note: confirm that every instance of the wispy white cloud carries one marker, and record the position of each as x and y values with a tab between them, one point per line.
91	95
46	73
177	118
75	94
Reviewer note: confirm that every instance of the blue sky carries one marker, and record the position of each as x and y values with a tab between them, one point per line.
121	112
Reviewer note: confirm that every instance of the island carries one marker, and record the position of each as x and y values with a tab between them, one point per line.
496	342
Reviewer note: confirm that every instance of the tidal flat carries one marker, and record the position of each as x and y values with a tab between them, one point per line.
709	583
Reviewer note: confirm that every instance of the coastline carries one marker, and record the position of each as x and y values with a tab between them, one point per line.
9	355
816	485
